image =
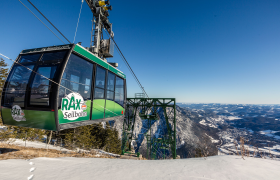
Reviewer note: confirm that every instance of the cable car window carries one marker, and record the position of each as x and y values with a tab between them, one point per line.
110	95
74	80
16	85
40	88
111	81
100	77
54	56
77	78
119	91
87	84
99	83
29	58
110	86
99	93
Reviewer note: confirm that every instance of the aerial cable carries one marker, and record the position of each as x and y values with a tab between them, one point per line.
41	21
121	54
47	20
130	71
128	66
133	74
78	20
52	81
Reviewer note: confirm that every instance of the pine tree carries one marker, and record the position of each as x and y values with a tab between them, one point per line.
92	137
3	73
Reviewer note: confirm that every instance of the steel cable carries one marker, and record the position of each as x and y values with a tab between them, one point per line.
78	20
47	20
127	64
41	21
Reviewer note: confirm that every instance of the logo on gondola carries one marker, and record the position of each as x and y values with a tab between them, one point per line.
73	106
17	113
84	107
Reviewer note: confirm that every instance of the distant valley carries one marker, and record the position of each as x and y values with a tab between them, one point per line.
259	125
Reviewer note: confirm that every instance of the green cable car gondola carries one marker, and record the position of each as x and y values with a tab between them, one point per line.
61	87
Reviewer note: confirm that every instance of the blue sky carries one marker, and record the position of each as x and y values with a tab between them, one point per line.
196	51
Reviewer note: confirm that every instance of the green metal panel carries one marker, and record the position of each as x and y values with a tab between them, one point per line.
98	106
119	110
110	108
80	50
113	109
31	119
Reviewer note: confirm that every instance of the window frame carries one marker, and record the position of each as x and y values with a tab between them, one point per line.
107	77
56	96
37	64
124	91
9	77
105	82
95	65
53	88
50	90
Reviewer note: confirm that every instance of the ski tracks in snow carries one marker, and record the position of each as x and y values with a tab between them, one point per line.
31	170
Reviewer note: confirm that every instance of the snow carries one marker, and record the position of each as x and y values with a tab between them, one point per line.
270	133
212	139
250	130
233	118
4	128
203	122
37	144
215	167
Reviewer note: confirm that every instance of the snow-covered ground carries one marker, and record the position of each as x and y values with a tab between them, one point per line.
233	118
270	133
203	122
3	128
215	167
37	144
212	139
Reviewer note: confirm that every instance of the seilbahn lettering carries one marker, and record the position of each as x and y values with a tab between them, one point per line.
72	114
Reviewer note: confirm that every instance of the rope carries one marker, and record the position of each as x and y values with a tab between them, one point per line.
78	20
126	63
41	21
48	20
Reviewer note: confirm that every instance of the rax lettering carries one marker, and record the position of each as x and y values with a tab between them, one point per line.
72	104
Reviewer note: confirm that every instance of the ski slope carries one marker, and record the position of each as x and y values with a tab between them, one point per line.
213	168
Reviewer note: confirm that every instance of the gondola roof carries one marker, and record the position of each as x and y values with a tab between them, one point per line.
81	51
